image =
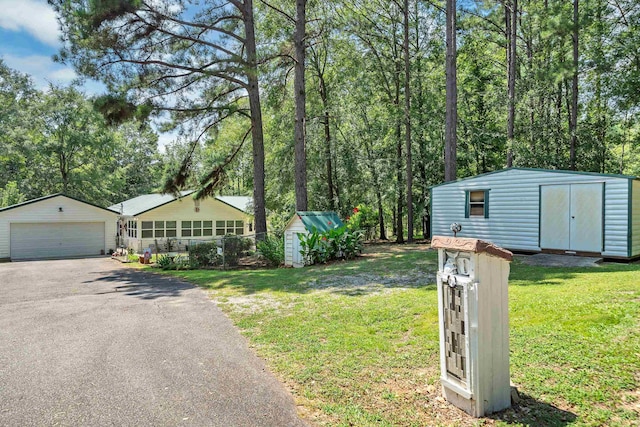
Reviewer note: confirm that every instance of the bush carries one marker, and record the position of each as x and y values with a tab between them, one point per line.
166	262
339	243
363	218
204	255
233	247
272	250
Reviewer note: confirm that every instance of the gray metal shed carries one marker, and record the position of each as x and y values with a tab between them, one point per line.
543	210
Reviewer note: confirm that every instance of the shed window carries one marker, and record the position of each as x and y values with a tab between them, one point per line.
477	203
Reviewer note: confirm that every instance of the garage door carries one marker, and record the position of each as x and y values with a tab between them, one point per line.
56	240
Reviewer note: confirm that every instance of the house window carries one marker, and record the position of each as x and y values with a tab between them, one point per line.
229	227
186	228
132	229
158	229
477	203
171	229
147	229
197	228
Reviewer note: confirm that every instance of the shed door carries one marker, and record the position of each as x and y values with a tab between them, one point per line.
571	217
297	256
554	217
56	240
586	217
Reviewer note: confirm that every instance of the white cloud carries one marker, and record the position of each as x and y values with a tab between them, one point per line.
41	68
165	138
35	17
63	75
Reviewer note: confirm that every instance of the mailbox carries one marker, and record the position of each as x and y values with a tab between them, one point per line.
473	309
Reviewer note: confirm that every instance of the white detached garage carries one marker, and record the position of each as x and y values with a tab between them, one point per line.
544	210
56	226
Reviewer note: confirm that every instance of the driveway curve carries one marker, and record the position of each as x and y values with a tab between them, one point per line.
90	342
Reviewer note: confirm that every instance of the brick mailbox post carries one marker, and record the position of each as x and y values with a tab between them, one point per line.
473	309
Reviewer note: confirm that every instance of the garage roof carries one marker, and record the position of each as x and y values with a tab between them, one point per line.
51	196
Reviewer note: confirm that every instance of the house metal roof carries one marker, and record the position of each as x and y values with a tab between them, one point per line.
146	202
322	221
243	203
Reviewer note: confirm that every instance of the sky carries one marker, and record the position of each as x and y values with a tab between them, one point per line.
29	37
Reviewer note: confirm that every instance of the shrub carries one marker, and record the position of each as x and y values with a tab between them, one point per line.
204	255
176	263
164	262
272	250
339	243
363	218
233	247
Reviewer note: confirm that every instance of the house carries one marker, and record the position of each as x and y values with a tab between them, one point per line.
153	219
305	222
544	210
56	226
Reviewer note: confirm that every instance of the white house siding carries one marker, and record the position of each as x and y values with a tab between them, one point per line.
635	209
296	226
47	211
514	207
185	210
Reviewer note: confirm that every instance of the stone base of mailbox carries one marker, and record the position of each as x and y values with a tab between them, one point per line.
475	362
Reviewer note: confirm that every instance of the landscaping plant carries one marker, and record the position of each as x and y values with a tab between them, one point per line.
233	247
338	243
204	255
272	250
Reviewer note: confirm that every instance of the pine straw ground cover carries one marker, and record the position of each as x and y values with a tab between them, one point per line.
357	342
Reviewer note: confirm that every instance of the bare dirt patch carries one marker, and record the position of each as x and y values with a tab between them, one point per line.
373	284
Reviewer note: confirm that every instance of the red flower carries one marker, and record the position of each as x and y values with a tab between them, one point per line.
348	218
324	238
356	210
329	222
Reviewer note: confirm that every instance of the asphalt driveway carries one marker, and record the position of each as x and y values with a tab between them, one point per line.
89	342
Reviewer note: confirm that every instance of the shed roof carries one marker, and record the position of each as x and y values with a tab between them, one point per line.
322	221
51	196
146	202
631	177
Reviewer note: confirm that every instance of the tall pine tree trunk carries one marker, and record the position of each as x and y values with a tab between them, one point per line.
451	140
399	180
327	139
407	122
574	90
300	103
257	136
511	16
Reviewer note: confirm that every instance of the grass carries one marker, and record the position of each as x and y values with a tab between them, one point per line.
357	342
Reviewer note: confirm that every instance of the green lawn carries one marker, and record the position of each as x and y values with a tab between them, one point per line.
357	342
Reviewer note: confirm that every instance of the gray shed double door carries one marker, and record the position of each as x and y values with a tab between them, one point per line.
571	217
56	239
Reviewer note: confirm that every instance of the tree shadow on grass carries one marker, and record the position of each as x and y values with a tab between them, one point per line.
142	285
532	412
